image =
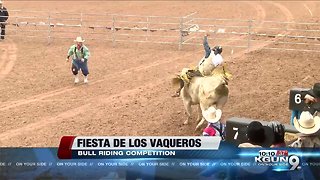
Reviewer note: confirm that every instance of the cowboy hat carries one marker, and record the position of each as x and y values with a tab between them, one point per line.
78	39
316	90
307	124
259	134
1	1
212	115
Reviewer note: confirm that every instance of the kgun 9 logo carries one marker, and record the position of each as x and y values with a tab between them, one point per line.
278	158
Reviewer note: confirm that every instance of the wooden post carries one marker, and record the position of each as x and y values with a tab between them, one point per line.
249	34
49	25
285	37
16	30
147	29
181	33
81	23
113	32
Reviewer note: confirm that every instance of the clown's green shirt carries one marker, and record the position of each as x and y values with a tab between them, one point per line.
76	53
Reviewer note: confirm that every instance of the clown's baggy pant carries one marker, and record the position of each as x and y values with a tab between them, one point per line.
3	30
77	64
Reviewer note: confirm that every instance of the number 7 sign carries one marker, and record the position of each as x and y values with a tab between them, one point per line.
236	134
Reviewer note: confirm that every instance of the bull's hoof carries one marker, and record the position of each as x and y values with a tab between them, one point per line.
176	95
196	130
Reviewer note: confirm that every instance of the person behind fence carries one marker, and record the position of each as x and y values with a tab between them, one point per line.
215	126
258	136
279	132
4	15
312	99
80	54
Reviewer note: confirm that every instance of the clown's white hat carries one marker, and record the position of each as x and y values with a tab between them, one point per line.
78	39
212	115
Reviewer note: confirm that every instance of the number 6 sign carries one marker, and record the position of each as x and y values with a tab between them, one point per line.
297	98
296	101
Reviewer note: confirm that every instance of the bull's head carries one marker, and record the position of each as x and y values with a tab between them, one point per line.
181	78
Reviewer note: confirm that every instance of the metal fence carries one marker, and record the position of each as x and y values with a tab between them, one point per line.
186	30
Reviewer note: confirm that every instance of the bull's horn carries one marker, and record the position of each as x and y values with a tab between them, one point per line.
212	115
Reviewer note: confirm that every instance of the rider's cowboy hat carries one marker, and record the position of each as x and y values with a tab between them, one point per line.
78	39
307	124
1	1
212	115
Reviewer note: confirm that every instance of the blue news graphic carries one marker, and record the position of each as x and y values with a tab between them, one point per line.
147	154
228	162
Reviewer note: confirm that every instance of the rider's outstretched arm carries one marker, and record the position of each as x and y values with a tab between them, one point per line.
206	46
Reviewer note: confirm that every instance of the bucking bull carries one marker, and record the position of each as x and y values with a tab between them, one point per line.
203	91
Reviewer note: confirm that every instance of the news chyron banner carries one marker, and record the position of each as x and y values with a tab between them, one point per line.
72	147
153	158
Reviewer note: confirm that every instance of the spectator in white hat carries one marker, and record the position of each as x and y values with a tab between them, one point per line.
308	126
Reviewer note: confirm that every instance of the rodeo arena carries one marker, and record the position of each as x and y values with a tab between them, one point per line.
244	71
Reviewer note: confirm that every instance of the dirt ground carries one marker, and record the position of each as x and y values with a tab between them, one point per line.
129	92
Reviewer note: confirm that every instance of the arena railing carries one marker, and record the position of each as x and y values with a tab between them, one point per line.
185	30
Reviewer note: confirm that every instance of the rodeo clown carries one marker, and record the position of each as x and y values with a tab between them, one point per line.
80	54
4	15
215	127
